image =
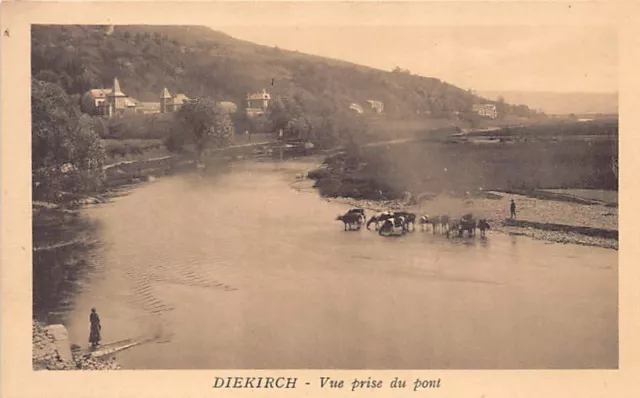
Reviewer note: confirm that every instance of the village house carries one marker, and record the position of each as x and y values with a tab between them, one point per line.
108	102
148	108
257	103
356	108
487	110
377	106
169	103
112	101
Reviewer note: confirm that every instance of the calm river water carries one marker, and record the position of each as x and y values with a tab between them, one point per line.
242	271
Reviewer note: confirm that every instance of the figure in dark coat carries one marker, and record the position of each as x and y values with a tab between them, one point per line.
94	335
513	209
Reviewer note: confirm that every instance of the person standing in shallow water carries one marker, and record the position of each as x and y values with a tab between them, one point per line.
94	335
513	209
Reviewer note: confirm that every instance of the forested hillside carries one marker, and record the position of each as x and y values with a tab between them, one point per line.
205	63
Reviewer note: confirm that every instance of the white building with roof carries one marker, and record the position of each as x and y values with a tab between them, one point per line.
487	110
257	103
356	108
376	106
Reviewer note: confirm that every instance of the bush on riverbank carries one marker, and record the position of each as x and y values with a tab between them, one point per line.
125	149
67	153
136	126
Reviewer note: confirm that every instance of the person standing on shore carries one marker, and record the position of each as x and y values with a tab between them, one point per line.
94	335
513	209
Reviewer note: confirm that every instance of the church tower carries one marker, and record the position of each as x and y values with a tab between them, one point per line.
165	99
117	99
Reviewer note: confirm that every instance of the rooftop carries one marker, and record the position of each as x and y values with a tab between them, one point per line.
165	94
259	96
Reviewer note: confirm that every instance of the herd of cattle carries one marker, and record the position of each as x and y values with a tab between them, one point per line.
401	222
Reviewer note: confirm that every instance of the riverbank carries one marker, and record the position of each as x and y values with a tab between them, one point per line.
458	177
49	353
541	219
538	219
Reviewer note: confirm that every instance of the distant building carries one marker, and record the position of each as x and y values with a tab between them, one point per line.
377	106
94	99
113	101
356	108
147	108
487	110
169	103
108	102
257	103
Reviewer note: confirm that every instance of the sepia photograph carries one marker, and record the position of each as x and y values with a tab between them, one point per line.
302	197
328	198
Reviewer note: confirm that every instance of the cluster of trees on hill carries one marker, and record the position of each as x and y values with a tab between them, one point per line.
201	123
204	63
326	127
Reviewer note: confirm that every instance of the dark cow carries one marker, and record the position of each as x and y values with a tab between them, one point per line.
469	226
444	222
452	225
358	211
351	220
483	225
409	219
461	225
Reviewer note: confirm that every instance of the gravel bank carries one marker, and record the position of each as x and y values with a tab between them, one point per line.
494	206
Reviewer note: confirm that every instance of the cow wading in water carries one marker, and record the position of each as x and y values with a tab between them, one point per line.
409	219
441	223
483	226
465	223
379	218
360	212
352	221
390	225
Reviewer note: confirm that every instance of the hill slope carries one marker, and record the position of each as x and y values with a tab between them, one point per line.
561	103
199	61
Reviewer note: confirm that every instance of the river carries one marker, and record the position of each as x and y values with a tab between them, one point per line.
240	270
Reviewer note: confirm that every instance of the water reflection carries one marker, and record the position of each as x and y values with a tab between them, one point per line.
277	283
63	245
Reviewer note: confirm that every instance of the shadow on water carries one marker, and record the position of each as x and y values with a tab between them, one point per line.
62	243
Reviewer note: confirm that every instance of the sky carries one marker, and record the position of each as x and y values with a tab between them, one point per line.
483	58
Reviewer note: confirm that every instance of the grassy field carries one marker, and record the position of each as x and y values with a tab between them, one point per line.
118	150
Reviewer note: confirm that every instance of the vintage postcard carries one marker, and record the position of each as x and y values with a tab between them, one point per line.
331	198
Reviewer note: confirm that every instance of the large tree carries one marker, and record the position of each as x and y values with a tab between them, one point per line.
205	124
67	153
